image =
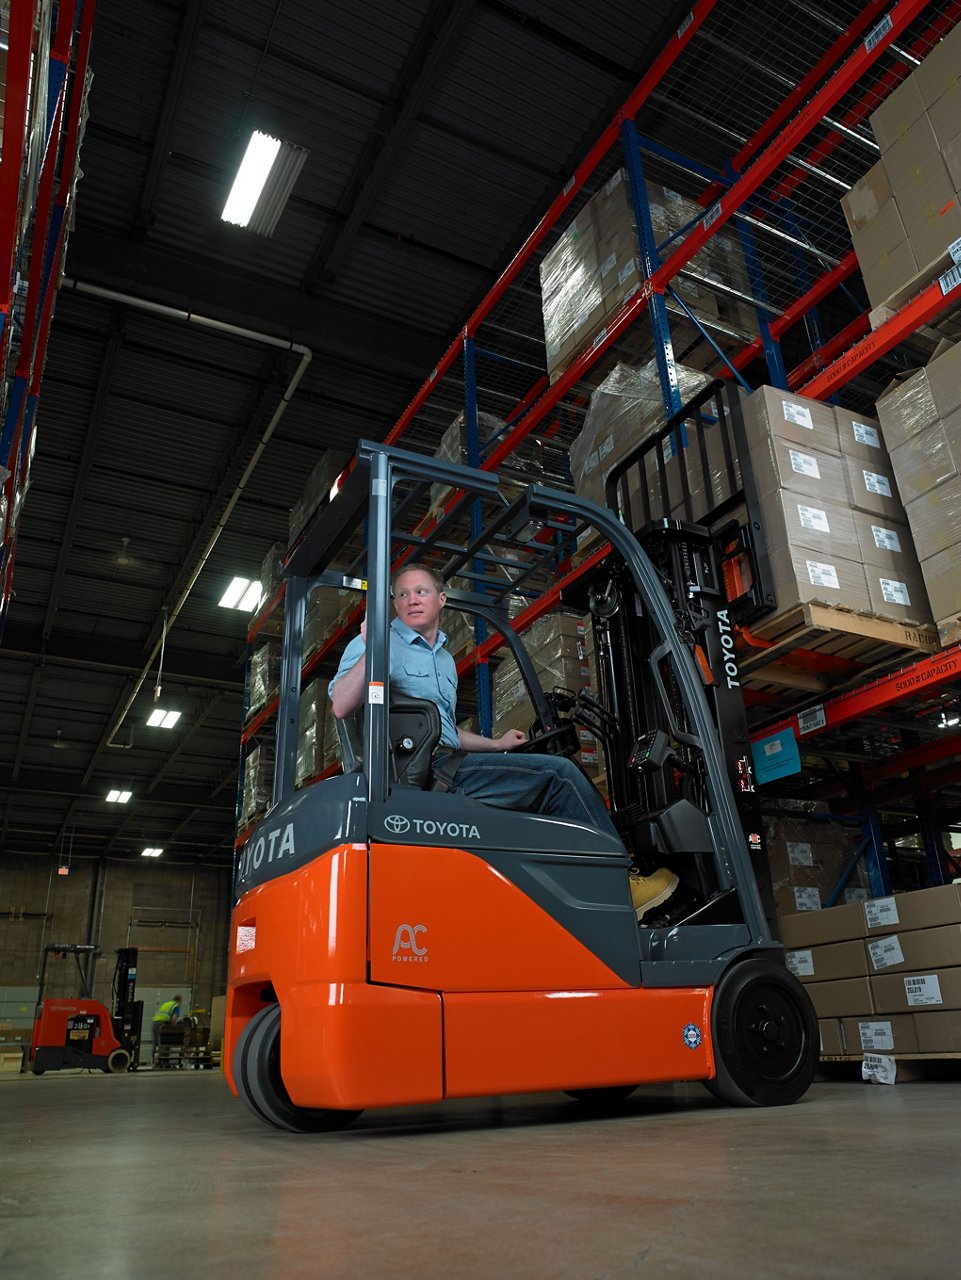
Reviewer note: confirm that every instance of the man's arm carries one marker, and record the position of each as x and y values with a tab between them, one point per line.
347	688
476	742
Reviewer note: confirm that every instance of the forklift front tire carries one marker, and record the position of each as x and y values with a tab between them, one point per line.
117	1062
765	1033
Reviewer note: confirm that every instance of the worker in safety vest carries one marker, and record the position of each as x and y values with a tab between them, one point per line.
166	1015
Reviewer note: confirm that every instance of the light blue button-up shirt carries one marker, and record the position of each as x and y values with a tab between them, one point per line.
417	669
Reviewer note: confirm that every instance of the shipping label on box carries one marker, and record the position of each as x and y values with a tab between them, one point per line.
885	952
801	963
922	989
881	913
800	853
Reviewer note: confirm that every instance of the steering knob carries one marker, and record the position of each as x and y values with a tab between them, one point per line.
406	744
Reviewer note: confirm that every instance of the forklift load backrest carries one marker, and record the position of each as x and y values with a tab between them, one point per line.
413	730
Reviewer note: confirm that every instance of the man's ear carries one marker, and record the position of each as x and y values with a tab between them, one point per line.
442	596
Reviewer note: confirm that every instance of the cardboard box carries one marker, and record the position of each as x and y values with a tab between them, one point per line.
919	909
944	380
790	899
897	113
942	581
838	924
925	195
906	408
898	594
885	543
935	519
927	459
866	198
783	464
828	962
847	997
916	949
939	73
938	1032
802	576
793	520
873	491
909	992
807	423
892	1034
832	1045
860	437
885	254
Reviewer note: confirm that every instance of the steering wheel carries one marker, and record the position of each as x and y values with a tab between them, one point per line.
547	743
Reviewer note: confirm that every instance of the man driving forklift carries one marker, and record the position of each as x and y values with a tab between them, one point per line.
467	763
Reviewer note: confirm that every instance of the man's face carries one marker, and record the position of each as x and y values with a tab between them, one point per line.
417	601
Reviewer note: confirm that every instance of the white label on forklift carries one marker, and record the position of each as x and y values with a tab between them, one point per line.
813	518
876	1035
804	464
800	853
881	913
823	575
923	988
807	899
866	435
375	693
880	1068
954	248
813	718
801	963
895	592
799	414
886	539
885	952
379	488
875	483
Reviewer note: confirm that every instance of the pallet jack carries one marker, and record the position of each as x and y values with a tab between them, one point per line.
81	1032
393	945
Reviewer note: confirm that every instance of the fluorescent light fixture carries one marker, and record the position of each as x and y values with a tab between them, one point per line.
242	594
160	719
151	853
119	797
263	183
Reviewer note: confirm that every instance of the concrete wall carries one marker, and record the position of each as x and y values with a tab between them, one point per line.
177	917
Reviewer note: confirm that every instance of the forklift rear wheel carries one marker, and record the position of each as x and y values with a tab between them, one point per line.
765	1034
117	1062
260	1079
604	1096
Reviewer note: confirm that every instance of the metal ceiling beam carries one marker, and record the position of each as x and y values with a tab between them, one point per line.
194	283
69	649
71	786
173	99
441	26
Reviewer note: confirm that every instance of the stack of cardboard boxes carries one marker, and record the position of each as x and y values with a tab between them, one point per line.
310	732
258	782
556	647
921	421
884	975
808	856
595	267
835	526
264	675
905	212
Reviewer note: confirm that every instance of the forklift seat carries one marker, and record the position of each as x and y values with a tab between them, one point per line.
413	731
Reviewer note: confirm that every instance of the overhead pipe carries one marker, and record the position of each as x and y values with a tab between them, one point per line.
235	331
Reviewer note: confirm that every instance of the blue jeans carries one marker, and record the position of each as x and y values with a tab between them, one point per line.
551	785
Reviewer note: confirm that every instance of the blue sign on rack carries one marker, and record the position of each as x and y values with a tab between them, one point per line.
776	757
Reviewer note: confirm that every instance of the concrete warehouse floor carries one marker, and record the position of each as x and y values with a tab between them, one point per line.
164	1174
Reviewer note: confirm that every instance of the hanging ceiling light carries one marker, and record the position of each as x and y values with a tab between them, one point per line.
263	183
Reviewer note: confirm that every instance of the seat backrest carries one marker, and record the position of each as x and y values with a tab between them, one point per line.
413	731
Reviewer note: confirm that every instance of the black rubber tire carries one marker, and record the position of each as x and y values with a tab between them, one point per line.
240	1063
604	1096
263	1079
765	1033
118	1062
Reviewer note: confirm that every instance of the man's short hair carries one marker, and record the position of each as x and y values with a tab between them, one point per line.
431	572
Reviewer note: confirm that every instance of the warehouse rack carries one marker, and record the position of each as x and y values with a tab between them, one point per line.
43	120
780	194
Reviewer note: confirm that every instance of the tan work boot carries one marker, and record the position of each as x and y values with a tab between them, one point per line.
651	891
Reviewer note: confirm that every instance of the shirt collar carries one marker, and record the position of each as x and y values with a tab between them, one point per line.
410	636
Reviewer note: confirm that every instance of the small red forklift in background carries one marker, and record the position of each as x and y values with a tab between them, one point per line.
392	944
81	1031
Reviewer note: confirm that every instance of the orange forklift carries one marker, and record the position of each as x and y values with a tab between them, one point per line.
392	944
76	1032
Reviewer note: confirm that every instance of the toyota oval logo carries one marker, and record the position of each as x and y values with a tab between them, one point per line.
397	824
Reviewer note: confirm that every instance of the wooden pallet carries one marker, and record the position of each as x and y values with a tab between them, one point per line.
813	648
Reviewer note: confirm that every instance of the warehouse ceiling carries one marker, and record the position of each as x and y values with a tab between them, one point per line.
438	133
